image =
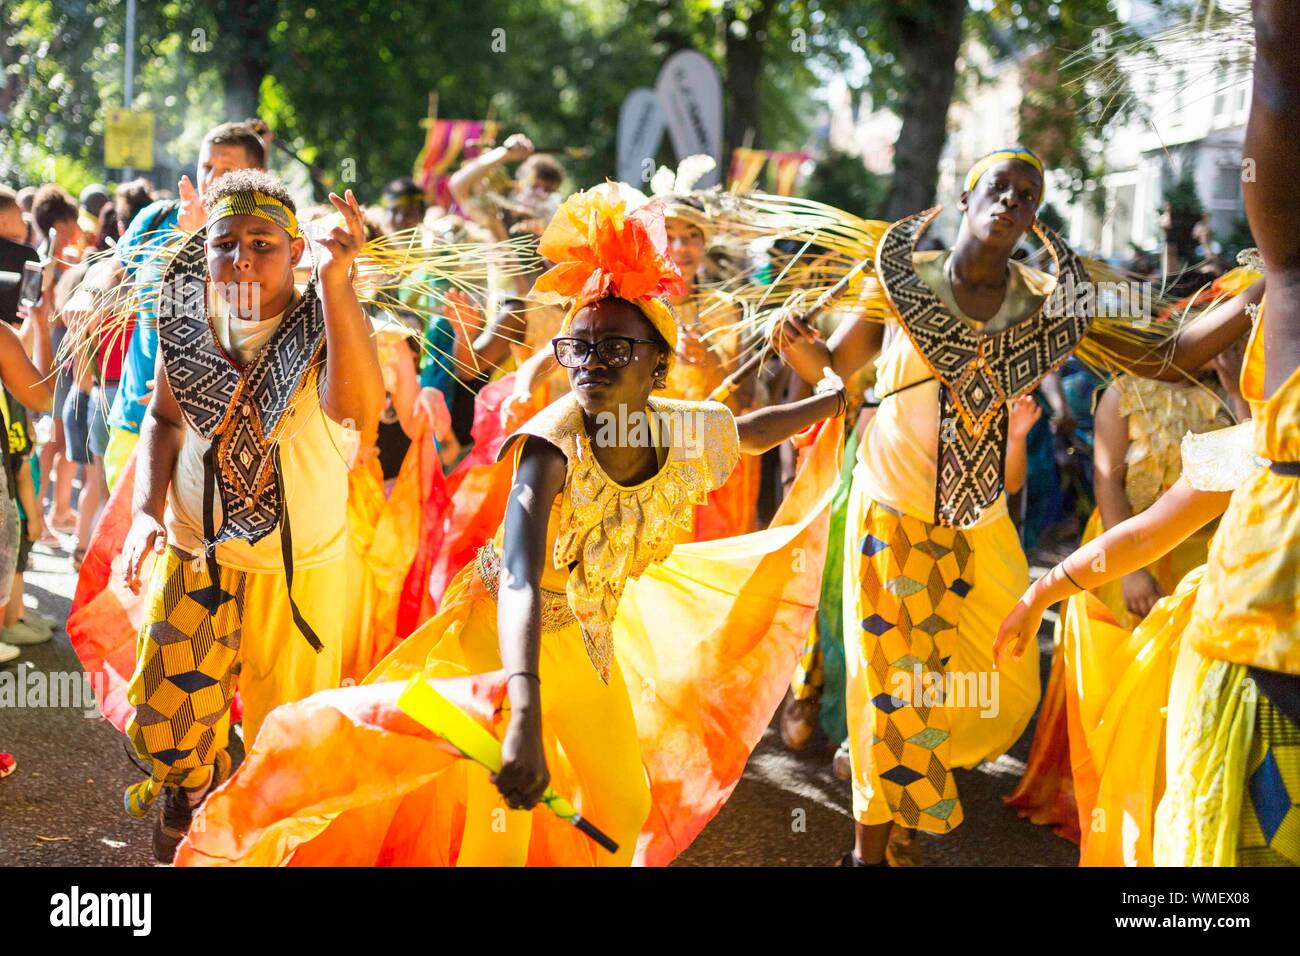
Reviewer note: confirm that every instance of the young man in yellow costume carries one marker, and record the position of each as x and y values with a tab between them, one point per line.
640	674
245	438
933	558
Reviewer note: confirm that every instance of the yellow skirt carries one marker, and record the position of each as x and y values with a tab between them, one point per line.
1117	692
922	605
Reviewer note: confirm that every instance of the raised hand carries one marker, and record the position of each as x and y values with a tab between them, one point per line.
191	216
339	249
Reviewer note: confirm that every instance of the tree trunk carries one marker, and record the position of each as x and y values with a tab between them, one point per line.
744	55
927	52
247	26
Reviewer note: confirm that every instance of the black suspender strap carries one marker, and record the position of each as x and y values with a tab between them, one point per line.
212	596
904	388
286	554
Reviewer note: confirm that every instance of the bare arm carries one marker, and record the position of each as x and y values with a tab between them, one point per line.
1110	468
1272	200
465	179
1198	341
1129	546
538	482
352	392
851	346
29	380
492	347
1024	413
767	427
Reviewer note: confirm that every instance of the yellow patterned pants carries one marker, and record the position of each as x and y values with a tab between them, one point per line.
922	606
189	662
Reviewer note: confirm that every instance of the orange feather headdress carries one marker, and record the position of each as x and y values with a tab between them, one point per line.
601	248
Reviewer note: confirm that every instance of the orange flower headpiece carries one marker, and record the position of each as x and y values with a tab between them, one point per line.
601	248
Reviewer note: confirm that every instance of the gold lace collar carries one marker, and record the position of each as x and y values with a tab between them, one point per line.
610	532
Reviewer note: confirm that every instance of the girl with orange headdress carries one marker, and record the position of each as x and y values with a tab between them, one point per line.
648	722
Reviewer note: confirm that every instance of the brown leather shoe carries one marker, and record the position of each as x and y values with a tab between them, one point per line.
842	763
798	721
902	849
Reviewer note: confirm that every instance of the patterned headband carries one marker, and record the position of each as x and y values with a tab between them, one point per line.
259	204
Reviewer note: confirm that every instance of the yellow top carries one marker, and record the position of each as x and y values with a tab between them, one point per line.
900	449
315	453
601	533
1248	607
1159	414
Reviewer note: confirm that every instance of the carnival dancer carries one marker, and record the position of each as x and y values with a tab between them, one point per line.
1098	779
258	392
933	559
1241	729
634	685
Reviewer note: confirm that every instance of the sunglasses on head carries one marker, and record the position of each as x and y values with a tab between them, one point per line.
615	351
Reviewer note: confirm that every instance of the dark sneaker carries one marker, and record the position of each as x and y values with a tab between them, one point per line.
176	810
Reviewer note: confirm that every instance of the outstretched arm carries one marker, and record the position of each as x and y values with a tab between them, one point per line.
766	428
1133	544
1200	340
1272	200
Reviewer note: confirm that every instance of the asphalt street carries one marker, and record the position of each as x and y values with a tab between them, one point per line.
63	806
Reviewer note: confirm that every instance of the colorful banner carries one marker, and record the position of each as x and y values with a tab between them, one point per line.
444	147
747	165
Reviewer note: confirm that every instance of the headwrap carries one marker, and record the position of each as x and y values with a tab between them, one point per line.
254	203
602	250
983	164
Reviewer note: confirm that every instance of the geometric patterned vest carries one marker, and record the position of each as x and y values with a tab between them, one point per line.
239	410
979	374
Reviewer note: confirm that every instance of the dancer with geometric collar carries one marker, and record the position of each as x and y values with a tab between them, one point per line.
932	561
242	485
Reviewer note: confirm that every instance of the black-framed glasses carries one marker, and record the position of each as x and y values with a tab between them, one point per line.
614	351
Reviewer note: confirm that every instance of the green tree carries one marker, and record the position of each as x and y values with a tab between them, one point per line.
844	182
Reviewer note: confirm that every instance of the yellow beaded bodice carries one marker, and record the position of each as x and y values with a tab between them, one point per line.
604	533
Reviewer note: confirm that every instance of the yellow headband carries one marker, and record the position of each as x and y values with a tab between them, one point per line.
992	159
259	204
656	310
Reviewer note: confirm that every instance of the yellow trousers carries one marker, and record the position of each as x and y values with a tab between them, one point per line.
922	605
189	662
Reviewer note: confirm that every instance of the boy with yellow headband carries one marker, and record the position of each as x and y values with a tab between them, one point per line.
242	485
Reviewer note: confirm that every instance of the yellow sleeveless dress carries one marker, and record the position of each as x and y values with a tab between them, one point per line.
1231	755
